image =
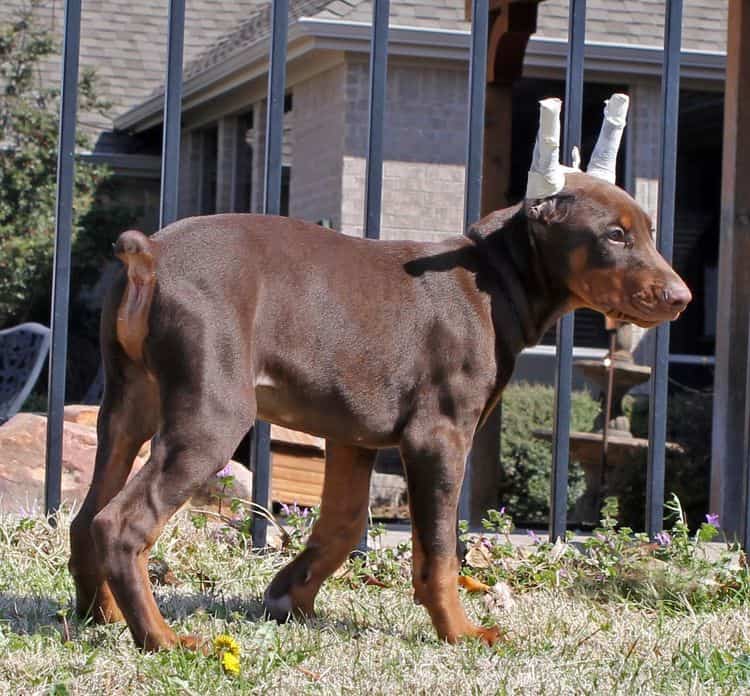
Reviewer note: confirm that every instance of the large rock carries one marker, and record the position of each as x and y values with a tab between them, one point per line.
22	462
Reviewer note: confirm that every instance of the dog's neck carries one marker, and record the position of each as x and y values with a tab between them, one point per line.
515	268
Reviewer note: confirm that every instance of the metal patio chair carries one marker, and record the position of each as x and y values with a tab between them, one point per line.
23	350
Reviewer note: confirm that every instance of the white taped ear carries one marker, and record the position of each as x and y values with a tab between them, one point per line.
603	160
546	176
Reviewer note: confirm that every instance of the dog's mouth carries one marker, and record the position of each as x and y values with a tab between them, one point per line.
645	322
632	319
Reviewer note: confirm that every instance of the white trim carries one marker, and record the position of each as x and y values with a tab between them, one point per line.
245	63
626	59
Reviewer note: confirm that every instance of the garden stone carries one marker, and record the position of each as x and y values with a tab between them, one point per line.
22	463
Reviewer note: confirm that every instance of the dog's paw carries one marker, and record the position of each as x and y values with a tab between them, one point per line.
489	636
278	608
195	643
168	640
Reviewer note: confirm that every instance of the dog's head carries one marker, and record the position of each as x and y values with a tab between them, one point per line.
592	236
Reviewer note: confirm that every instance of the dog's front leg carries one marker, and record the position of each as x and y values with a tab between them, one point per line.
343	514
434	462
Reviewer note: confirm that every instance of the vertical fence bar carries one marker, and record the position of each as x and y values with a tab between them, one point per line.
260	452
657	425
170	151
61	272
376	118
474	147
745	530
573	106
375	132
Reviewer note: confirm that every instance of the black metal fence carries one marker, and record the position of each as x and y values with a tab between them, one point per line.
260	455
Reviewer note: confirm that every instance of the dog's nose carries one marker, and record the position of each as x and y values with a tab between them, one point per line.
677	296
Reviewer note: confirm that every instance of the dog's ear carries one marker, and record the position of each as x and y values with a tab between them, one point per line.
548	211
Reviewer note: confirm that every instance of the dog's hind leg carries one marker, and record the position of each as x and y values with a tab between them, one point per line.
196	441
127	418
434	463
343	514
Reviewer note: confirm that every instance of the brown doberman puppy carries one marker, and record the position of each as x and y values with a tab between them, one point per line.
216	321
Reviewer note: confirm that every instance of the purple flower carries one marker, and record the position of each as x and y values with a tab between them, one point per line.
663	538
285	509
534	536
226	471
502	510
712	519
31	511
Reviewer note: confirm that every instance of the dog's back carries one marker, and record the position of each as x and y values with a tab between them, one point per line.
305	316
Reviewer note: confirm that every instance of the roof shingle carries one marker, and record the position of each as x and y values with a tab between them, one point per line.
125	40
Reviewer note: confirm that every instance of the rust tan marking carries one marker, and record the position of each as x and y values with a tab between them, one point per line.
579	261
135	250
626	222
435	583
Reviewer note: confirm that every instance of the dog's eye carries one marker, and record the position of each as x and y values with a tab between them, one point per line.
617	235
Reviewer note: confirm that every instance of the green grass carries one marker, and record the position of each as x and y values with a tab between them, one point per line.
367	640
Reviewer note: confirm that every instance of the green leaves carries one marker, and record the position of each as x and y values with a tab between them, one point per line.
28	166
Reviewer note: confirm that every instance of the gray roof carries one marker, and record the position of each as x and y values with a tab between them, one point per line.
632	22
640	22
255	26
125	40
440	14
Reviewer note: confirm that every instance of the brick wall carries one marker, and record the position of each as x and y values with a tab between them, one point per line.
319	108
424	150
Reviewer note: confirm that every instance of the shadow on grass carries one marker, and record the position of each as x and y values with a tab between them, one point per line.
45	616
30	615
177	606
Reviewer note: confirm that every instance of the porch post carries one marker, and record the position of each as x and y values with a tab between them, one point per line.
511	25
731	408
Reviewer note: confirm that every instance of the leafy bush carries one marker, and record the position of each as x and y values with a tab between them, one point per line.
526	461
28	166
675	572
689	415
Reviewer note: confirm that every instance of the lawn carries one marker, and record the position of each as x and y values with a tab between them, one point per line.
561	638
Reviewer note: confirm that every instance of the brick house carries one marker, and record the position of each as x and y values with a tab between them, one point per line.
326	114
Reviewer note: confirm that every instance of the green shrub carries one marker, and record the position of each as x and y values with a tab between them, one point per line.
687	475
28	165
526	460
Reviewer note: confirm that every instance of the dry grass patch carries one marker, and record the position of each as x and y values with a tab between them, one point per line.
368	639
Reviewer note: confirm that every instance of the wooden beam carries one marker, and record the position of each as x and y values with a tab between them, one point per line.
511	25
731	410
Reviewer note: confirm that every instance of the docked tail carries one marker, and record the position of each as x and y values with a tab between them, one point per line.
137	252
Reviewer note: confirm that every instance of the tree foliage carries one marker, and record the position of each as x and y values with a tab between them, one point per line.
29	111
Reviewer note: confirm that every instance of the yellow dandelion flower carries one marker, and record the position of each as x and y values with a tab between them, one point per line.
226	644
231	663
